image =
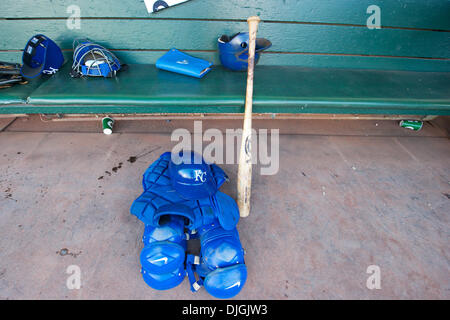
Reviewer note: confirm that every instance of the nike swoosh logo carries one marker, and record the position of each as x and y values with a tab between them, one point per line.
165	259
237	284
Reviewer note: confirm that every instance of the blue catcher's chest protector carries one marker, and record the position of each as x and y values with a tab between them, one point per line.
160	199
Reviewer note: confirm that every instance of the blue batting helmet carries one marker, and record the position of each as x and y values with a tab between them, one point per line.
233	51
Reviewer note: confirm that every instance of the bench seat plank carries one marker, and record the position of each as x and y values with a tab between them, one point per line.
277	89
18	94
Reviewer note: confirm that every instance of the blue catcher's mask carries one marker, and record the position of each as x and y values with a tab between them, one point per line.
233	51
41	55
91	59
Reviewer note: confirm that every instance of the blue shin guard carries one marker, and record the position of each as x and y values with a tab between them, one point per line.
164	253
220	267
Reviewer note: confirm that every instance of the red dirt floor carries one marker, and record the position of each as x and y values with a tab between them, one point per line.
348	194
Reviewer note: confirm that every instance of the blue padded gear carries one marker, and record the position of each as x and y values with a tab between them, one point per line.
170	230
221	266
219	175
158	202
164	281
226	210
169	208
191	176
163	170
220	247
225	283
161	199
163	256
157	173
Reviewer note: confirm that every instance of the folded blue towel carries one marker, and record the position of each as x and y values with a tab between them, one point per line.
180	62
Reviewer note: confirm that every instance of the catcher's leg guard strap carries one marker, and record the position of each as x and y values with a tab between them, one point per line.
191	262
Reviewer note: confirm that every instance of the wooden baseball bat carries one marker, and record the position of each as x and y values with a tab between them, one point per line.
244	178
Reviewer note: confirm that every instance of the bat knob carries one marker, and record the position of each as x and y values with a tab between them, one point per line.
253	19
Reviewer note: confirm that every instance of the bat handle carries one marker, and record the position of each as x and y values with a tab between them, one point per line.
253	23
252	30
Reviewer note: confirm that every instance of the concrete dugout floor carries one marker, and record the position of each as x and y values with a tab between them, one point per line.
349	194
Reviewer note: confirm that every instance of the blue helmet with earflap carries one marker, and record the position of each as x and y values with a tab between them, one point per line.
91	59
233	51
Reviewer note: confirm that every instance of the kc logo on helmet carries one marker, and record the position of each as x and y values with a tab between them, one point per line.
200	175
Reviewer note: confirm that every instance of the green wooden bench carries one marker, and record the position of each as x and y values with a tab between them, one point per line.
324	58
